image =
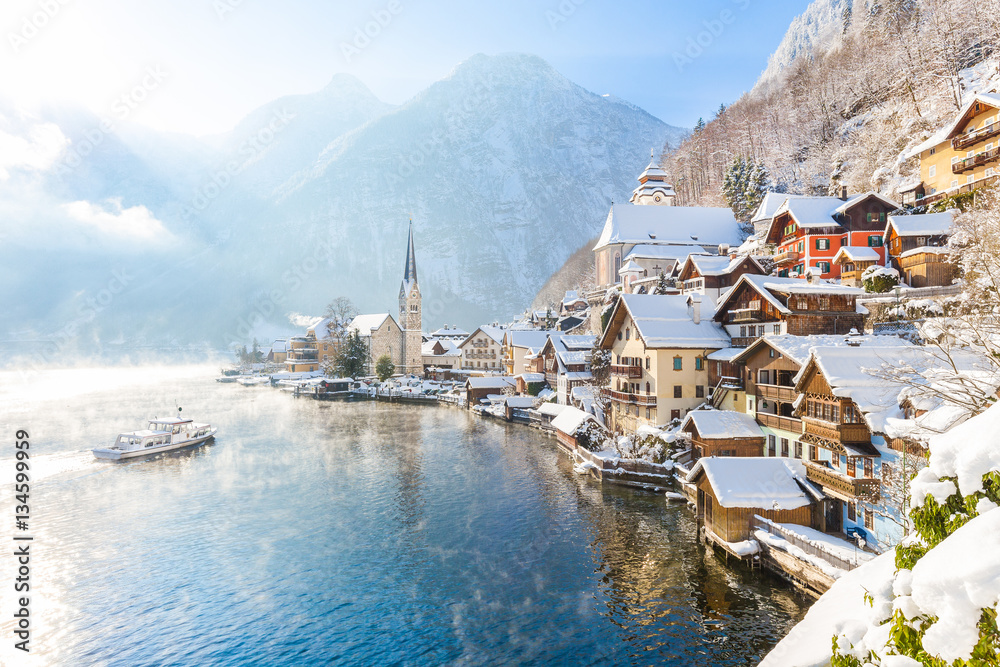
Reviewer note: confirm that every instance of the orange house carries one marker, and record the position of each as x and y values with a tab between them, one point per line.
810	231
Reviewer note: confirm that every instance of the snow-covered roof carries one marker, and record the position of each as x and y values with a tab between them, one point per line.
279	345
532	377
851	201
726	354
932	250
766	286
663	321
857	254
715	424
630	267
573	357
450	348
570	420
364	324
571	296
814	211
530	340
758	482
491	382
520	402
657	225
769	204
796	348
551	409
453	332
677	252
928	224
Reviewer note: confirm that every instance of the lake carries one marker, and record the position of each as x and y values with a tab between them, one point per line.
349	533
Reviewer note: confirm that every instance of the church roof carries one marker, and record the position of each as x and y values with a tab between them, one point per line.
364	324
669	225
410	269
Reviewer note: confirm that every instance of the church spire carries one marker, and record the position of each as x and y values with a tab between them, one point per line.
410	270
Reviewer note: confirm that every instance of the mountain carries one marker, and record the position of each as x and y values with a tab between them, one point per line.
505	166
818	26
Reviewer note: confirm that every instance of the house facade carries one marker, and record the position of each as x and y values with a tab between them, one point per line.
917	248
960	157
565	363
765	305
483	349
809	231
659	346
711	275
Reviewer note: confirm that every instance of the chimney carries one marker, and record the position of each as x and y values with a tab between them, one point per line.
723	250
695	302
843	193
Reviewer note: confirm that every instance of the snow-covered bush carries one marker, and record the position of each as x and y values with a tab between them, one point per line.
879	279
593	437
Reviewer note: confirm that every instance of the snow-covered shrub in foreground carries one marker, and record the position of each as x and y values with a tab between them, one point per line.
933	601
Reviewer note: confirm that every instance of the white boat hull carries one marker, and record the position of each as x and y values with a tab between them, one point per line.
118	454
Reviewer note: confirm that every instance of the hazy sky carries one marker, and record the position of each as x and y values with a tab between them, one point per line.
199	66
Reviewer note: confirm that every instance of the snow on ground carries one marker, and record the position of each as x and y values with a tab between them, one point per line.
778	542
841	611
829	543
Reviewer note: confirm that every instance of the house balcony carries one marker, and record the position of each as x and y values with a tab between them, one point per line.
752	313
632	372
786	257
648	400
743	341
841	485
963	141
782	423
303	358
970	163
773	392
836	432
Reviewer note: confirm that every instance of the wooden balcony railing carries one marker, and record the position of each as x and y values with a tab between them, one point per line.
963	141
648	400
786	257
633	372
975	161
783	423
745	315
951	192
850	487
743	341
836	432
773	392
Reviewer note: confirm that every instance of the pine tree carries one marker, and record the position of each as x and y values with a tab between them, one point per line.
352	358
384	368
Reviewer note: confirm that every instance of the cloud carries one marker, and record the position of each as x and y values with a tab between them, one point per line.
110	218
304	321
37	151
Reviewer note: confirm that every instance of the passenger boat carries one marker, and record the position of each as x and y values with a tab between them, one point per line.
161	435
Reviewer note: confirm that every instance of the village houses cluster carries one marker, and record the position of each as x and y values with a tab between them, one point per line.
757	358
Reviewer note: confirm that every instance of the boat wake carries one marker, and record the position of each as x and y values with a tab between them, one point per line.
48	467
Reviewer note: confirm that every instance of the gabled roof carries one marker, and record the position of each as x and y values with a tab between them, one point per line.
716	424
528	339
952	129
492	382
928	224
769	204
453	332
717	265
495	333
364	324
768	286
663	225
857	254
857	199
570	420
758	482
663	321
797	348
674	252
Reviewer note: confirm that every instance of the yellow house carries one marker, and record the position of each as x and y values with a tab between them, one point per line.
305	354
960	157
659	346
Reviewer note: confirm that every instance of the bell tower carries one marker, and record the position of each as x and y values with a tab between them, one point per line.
410	316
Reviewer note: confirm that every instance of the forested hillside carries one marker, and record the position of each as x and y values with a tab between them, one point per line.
846	108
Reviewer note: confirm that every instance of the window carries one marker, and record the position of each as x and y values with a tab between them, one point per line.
647	387
647	413
852	512
812	452
852	468
921	241
824	267
784	447
678	391
822	244
675	414
743	331
970	178
628	334
718	368
932	172
647	363
869	468
802	246
619	334
798	450
933	151
954	183
772	443
698	364
875	241
678	364
699	391
869	519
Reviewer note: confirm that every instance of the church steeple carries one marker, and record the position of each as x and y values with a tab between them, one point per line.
410	269
410	315
653	187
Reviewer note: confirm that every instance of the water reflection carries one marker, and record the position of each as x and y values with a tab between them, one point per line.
361	533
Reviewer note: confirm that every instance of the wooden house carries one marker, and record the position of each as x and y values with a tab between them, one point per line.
918	248
853	261
731	491
479	388
759	305
809	231
723	433
709	275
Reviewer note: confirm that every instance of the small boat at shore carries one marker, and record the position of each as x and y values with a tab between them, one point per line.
160	435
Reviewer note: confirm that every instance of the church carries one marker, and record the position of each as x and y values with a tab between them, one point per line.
402	340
